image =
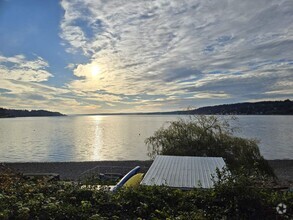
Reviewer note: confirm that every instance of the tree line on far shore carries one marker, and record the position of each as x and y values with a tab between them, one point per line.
258	108
246	108
9	113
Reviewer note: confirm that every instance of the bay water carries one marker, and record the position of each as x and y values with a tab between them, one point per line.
119	137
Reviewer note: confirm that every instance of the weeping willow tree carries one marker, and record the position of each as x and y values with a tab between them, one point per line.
202	135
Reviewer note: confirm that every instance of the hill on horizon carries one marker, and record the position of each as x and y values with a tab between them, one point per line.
11	113
246	108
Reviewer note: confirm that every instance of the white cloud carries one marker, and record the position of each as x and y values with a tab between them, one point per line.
160	55
70	66
22	85
22	69
32	95
207	95
163	47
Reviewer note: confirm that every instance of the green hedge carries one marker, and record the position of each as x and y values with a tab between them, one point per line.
232	198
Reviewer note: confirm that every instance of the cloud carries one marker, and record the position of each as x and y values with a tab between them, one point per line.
225	49
20	68
32	95
161	55
21	86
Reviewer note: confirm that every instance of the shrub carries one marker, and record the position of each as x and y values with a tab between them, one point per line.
202	135
233	197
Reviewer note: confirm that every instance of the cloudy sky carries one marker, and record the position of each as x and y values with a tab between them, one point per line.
91	56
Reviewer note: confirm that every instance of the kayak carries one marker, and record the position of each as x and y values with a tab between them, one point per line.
126	178
134	181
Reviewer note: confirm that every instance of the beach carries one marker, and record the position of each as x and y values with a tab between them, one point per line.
81	170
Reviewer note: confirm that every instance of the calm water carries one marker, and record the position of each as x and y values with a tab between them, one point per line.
88	138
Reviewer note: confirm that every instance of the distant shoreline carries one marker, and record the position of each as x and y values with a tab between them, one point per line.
81	170
14	113
35	116
130	114
245	108
43	116
150	114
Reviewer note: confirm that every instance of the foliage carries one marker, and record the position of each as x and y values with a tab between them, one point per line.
247	197
236	197
26	113
202	135
258	108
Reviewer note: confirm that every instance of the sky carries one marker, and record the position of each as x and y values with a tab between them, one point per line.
107	56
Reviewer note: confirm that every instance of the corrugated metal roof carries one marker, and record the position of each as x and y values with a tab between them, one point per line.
183	171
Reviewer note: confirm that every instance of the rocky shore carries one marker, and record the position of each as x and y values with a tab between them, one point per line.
81	170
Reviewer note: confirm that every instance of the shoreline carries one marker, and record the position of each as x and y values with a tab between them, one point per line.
78	170
81	170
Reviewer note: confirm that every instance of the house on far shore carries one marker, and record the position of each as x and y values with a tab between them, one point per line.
183	172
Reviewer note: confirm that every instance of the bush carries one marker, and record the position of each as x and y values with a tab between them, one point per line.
234	197
202	135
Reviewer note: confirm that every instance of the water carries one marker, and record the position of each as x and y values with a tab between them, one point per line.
90	138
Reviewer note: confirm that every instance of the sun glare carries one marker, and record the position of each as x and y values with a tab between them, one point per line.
95	70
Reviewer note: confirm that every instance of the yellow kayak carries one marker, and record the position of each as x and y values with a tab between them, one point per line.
134	181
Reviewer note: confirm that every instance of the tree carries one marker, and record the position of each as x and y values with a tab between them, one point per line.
202	135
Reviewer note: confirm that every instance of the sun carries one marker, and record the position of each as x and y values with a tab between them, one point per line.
95	70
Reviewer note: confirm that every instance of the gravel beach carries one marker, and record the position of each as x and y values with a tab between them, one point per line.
81	170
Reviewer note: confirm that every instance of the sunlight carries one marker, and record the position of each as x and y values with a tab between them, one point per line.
95	70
